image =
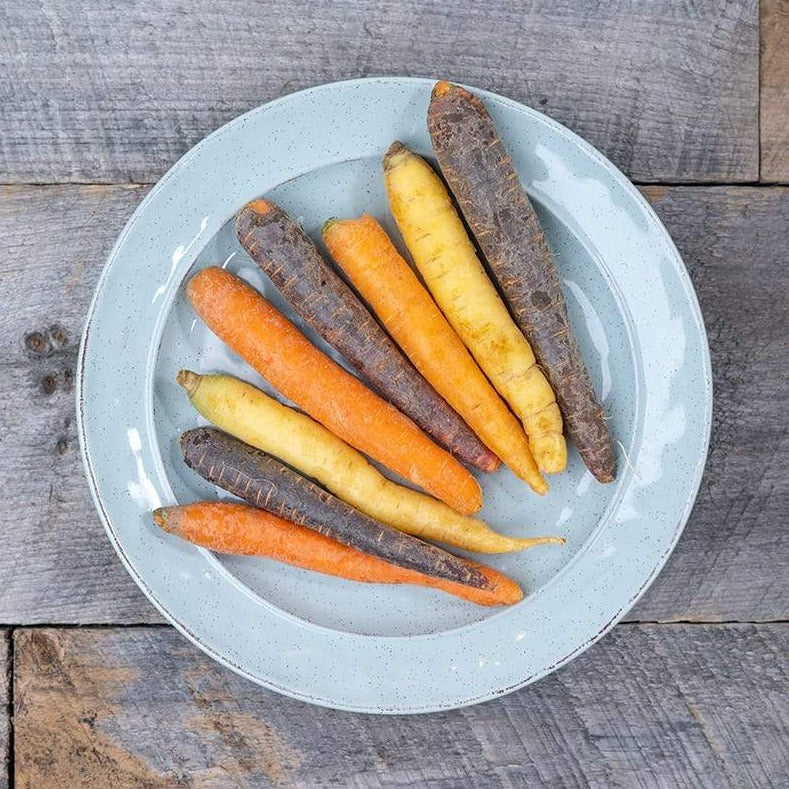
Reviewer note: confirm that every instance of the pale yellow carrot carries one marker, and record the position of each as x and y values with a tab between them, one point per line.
445	256
260	421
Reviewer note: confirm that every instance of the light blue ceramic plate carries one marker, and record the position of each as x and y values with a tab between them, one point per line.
381	648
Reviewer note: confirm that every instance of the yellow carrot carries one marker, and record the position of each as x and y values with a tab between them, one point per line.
259	420
446	258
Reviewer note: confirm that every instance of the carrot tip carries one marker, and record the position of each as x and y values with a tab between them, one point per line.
539	486
395	149
260	206
189	380
196	282
526	543
329	223
441	88
252	215
553	540
160	516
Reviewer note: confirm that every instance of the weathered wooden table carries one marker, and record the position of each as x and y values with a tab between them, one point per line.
97	100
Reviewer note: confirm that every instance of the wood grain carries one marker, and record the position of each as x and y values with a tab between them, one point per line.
667	90
731	564
774	87
61	567
649	706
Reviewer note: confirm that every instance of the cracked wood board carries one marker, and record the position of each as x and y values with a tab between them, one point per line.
651	705
668	91
774	100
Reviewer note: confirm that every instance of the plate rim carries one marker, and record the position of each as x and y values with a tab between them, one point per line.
698	469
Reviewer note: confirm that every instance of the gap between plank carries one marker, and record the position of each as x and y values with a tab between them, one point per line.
167	625
703	623
759	92
81	626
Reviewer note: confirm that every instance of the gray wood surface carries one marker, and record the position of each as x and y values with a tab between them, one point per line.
731	564
650	706
61	567
96	92
774	104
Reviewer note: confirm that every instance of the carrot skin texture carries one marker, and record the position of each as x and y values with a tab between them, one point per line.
486	186
447	260
227	527
294	438
264	482
274	347
293	263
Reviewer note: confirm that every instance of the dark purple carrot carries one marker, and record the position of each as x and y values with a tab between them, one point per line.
483	180
264	482
292	261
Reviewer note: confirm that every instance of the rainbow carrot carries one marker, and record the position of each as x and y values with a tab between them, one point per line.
231	528
274	347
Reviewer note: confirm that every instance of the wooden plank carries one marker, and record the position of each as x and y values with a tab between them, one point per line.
774	87
667	90
5	724
731	564
61	567
651	705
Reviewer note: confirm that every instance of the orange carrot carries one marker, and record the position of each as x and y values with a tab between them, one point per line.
387	283
271	344
226	527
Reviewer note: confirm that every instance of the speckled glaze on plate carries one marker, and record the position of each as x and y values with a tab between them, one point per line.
380	648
